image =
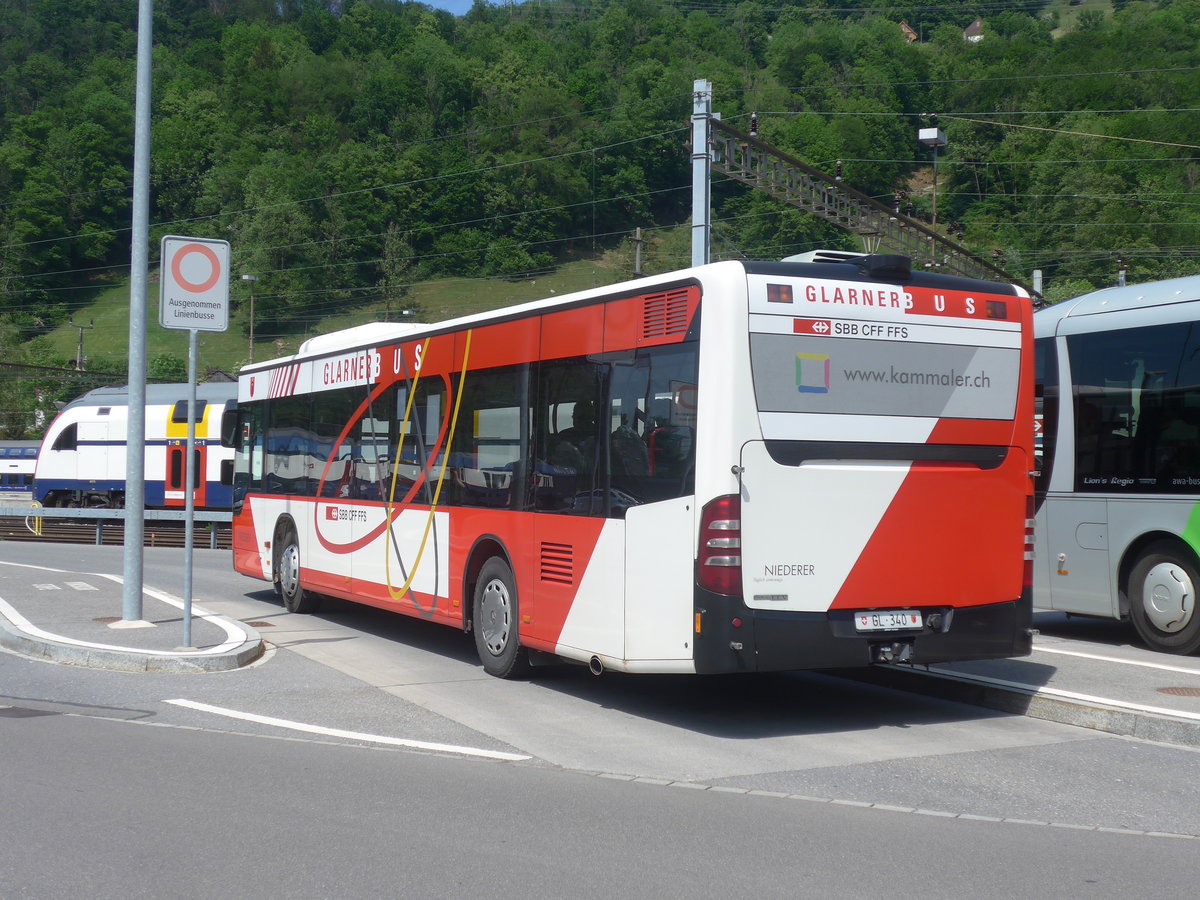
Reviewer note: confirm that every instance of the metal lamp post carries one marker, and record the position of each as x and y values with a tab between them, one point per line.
251	279
933	137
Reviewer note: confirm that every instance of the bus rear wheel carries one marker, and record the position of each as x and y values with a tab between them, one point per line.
287	576
1162	599
494	621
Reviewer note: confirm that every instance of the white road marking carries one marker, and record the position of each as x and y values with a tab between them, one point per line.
1116	659
235	636
1069	695
351	735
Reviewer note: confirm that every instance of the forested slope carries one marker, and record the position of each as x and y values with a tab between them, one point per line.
350	148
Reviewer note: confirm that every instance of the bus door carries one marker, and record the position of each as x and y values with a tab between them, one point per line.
1115	410
573	537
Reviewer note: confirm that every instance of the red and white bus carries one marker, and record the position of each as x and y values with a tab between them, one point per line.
743	466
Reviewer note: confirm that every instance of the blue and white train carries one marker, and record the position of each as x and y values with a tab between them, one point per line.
82	458
17	460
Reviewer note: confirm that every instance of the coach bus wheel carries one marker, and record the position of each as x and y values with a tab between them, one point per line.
287	577
495	621
1162	599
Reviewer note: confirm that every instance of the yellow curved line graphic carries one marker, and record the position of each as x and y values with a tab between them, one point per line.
394	593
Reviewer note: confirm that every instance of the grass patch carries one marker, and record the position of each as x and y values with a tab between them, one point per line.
1068	12
107	338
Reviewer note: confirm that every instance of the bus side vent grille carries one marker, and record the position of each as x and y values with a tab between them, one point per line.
558	563
665	314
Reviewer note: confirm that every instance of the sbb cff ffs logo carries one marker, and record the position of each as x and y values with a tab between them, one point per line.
812	326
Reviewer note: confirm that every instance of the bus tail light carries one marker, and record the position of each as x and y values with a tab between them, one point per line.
1027	572
720	556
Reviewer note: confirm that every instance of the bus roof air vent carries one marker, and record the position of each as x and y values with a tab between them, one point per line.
819	256
876	264
885	265
666	314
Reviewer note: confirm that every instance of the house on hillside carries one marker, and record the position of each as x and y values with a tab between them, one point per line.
973	33
909	35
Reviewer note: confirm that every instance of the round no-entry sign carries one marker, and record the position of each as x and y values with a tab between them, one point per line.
194	291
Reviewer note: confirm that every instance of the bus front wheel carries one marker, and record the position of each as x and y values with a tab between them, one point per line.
287	576
494	621
1162	599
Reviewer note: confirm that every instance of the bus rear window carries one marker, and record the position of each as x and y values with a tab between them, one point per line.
847	376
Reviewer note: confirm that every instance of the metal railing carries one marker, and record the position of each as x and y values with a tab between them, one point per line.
34	515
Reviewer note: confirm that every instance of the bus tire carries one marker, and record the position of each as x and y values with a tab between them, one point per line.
494	621
287	576
1162	598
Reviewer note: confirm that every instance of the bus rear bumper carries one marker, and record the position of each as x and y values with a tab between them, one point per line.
736	638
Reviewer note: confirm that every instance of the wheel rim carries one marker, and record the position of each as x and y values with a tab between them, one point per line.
495	613
289	570
1168	597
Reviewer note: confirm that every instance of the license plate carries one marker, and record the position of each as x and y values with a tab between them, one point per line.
889	620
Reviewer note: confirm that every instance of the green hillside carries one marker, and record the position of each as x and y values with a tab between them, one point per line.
106	316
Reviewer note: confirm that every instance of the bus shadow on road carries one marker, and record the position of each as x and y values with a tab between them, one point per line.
764	705
734	706
1110	632
419	634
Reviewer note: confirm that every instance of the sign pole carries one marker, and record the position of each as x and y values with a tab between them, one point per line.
189	491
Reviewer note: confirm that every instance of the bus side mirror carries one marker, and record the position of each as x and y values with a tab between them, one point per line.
229	429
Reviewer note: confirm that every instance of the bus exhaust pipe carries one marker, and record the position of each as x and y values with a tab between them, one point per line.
595	666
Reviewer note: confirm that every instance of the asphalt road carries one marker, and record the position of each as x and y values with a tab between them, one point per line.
310	774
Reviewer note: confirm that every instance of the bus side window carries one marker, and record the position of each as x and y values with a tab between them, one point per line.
567	475
488	441
1130	424
652	447
1045	410
329	460
285	445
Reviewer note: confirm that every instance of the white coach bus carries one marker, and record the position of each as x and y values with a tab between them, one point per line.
1118	499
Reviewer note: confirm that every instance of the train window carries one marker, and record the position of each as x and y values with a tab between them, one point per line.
68	439
179	412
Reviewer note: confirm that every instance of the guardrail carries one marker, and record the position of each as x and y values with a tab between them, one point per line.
110	516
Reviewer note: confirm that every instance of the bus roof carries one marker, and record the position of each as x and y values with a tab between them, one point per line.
376	333
1115	299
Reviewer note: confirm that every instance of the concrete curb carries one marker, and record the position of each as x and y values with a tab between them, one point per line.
79	653
1126	720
